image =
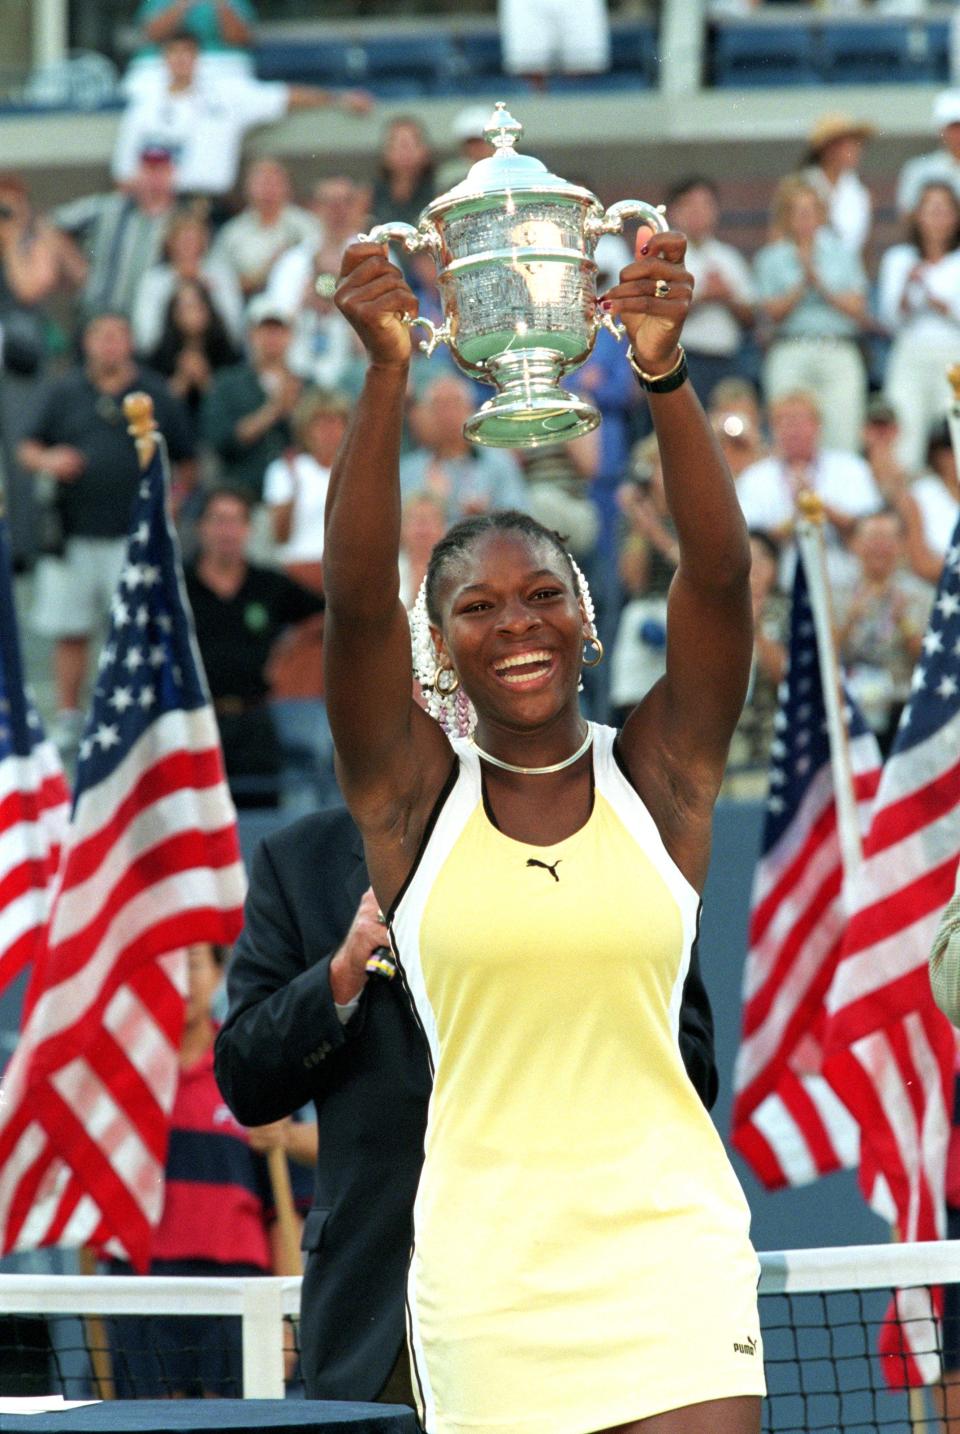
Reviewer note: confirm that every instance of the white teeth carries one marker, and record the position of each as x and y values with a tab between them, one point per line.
521	660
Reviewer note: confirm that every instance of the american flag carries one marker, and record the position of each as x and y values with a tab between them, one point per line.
34	799
789	1122
889	1049
151	864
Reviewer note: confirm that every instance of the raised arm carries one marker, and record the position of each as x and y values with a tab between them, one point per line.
392	758
675	743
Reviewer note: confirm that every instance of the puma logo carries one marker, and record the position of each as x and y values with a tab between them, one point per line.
532	861
749	1347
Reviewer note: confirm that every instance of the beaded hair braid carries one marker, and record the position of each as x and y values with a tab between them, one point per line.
454	710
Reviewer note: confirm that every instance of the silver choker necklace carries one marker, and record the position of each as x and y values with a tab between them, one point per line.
537	771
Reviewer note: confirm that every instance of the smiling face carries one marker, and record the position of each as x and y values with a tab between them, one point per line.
512	627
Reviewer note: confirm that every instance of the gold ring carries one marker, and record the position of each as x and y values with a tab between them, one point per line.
661	289
326	285
381	918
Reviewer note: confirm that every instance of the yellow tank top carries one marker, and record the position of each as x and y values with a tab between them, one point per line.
577	1222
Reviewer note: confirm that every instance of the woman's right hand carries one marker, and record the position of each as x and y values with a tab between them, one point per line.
373	297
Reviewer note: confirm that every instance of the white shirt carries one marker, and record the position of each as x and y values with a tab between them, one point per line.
904	303
768	501
303	480
156	289
849	205
710	327
939	511
202	127
248	245
939	167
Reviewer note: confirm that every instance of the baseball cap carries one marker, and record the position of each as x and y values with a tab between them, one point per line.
470	123
946	108
262	309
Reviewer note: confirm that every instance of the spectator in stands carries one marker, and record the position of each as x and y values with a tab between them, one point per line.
192	347
935	497
750	748
769	489
295	485
941	166
739	395
422	524
812	289
187	261
222	28
723	296
247	412
34	262
928	506
218	1212
323	351
79	437
406	182
468	129
464	478
240	610
648	559
880	615
544	37
252	242
202	121
119	236
918	298
834	152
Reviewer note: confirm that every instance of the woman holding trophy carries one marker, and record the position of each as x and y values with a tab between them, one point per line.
581	1257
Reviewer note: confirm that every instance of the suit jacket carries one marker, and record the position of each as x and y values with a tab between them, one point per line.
283	1045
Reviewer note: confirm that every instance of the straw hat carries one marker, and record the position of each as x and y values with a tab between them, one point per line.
833	127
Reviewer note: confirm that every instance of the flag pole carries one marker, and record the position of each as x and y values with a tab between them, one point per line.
953	412
813	556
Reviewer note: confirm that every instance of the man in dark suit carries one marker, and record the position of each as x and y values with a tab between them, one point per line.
293	1034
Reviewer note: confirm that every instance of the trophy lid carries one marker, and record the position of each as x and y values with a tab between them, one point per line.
505	170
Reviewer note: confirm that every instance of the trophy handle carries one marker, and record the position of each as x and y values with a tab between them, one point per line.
412	238
436	337
612	221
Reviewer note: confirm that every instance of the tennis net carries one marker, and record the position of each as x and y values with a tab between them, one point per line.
821	1312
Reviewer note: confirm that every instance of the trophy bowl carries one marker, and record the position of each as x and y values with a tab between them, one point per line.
514	248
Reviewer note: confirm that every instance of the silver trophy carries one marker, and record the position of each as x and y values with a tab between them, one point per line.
514	246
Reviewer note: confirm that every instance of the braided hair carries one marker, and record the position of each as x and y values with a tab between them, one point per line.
454	710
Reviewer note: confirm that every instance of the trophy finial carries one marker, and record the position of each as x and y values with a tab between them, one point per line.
502	129
953	378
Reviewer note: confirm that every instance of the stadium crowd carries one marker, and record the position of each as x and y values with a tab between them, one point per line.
820	357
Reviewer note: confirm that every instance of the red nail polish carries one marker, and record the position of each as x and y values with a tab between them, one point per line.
606	305
645	249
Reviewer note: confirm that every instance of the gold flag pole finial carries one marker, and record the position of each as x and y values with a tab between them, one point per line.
141	425
810	506
953	378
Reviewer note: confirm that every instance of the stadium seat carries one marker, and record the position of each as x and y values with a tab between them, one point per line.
754	54
873	52
404	66
633	52
317	62
482	62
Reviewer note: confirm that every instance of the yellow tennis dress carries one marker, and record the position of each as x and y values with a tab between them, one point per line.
581	1246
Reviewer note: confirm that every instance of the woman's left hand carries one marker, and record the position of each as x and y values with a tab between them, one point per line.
653	318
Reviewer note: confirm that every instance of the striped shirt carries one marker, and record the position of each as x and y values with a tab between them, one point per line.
120	242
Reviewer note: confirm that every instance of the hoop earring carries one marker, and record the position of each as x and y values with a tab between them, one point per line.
596	660
446	689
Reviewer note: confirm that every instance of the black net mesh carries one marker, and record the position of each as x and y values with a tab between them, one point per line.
129	1357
